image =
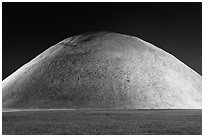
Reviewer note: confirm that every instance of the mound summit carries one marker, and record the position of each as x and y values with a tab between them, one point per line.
103	70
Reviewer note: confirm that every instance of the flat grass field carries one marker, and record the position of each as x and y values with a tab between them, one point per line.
108	122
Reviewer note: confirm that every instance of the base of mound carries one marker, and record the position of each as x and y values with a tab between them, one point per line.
102	122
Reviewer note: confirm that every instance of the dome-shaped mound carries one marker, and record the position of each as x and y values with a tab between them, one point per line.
103	70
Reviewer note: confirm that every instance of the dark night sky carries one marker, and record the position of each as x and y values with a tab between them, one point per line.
31	28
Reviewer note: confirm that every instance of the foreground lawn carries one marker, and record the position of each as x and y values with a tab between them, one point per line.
110	122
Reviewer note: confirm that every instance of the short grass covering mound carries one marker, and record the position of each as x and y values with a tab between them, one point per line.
103	70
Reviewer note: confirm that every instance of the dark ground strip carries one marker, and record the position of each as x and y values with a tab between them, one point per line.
112	122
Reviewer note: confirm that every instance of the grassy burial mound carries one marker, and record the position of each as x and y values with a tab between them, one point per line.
103	70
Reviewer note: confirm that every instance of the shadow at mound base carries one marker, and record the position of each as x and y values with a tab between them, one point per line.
103	70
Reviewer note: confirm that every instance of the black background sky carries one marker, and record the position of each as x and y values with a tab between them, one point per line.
30	28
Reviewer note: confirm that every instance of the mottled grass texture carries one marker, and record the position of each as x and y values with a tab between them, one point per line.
112	122
103	70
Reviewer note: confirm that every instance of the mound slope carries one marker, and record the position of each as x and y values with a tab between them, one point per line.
103	70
